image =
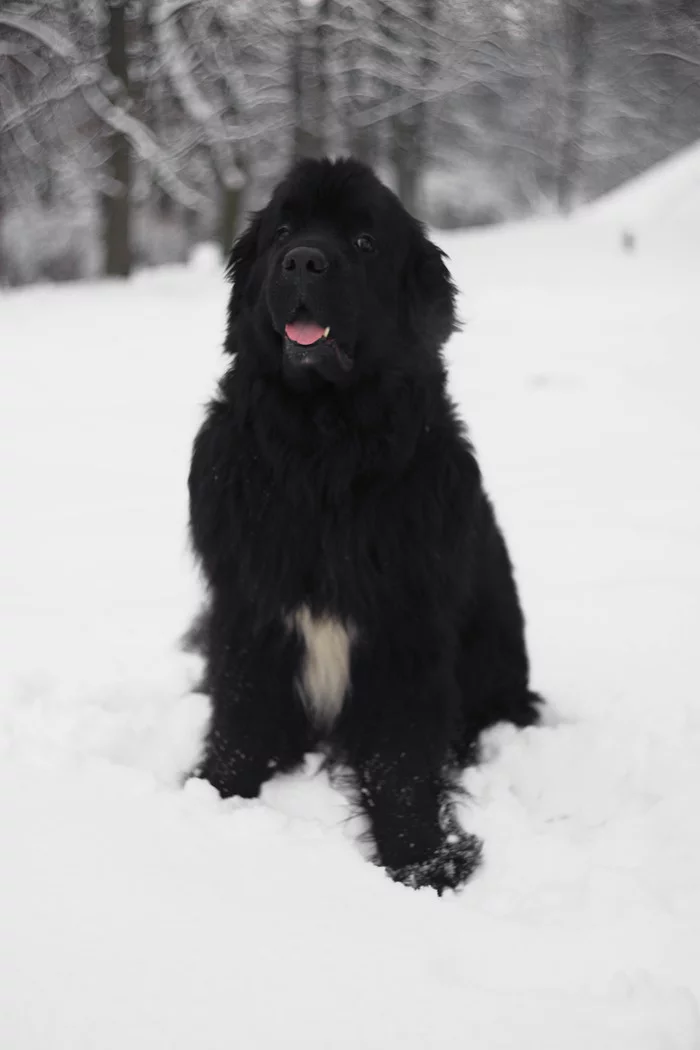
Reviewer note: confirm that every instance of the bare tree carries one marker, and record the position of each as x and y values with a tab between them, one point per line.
132	128
578	29
116	210
357	96
308	77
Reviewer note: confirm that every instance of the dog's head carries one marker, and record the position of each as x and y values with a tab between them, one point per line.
337	280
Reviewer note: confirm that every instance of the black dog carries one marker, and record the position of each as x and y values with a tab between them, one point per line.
361	594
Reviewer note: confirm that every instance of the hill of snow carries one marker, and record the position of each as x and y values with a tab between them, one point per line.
661	207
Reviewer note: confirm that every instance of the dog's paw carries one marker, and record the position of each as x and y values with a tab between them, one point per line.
228	779
447	869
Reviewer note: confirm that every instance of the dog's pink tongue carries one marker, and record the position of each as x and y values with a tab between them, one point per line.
304	332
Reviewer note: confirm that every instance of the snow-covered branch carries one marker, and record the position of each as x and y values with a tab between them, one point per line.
87	81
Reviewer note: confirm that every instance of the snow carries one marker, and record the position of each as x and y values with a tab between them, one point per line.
137	910
661	205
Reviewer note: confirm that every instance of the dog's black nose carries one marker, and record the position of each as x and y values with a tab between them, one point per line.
304	261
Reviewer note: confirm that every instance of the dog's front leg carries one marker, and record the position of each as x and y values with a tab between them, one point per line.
397	733
257	726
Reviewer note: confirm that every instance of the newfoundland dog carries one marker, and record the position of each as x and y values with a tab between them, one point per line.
360	595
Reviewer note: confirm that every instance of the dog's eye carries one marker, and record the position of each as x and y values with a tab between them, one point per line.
282	232
364	243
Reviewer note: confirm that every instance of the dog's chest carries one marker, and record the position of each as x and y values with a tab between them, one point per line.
323	677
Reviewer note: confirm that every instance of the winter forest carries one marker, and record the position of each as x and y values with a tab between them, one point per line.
130	130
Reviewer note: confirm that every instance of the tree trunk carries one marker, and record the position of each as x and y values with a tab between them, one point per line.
400	124
419	114
116	199
3	266
578	33
309	79
303	144
406	160
230	199
296	79
409	128
3	261
319	83
361	140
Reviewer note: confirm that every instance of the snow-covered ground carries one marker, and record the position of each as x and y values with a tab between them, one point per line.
661	206
137	913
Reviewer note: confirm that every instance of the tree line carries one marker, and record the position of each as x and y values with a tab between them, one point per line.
132	129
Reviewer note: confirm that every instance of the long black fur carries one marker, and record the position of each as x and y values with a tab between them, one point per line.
360	498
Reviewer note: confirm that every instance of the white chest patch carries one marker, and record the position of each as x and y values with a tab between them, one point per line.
325	670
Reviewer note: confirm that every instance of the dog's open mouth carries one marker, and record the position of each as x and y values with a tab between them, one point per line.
305	333
309	344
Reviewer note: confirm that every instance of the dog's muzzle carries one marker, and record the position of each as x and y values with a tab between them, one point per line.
309	347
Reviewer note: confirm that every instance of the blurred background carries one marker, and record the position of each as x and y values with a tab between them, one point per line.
132	130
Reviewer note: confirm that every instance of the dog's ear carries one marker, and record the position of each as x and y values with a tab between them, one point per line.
430	291
240	263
